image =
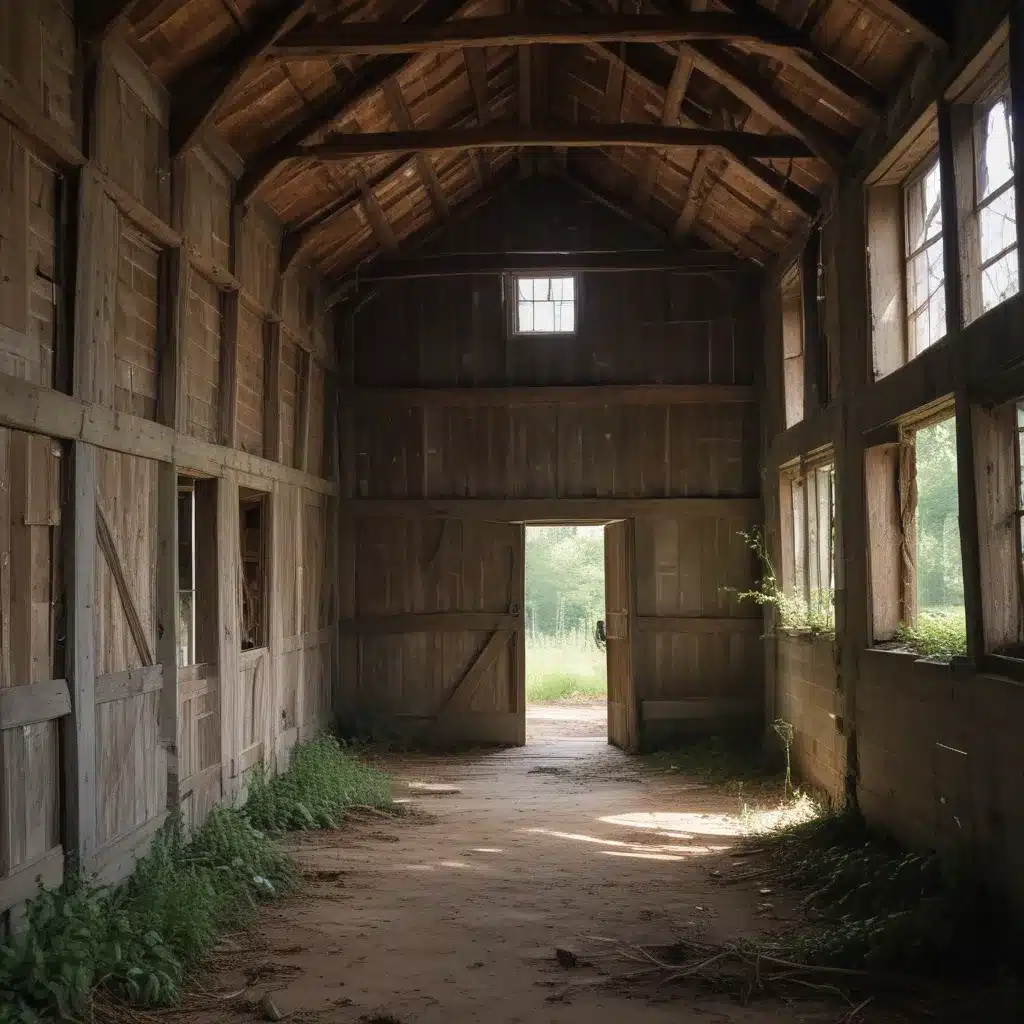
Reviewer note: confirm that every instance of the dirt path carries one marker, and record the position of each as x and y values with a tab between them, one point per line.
453	914
565	719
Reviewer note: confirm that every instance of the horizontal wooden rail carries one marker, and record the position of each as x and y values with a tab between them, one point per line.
23	881
503	135
27	406
700	708
551	510
428	622
303	640
697	624
33	703
594	396
337	39
116	860
133	683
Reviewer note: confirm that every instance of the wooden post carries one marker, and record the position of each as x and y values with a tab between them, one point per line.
167	619
227	412
302	410
175	276
227	616
80	727
272	392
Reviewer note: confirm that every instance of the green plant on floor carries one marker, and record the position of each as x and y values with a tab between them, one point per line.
814	615
322	781
138	941
784	730
936	634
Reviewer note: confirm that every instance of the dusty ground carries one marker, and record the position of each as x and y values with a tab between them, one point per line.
564	719
453	914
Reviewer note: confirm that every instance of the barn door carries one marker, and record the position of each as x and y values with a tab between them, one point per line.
619	600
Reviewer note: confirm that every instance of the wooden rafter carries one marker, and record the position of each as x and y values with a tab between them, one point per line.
476	70
350	38
669	116
338	101
801	51
524	88
500	136
694	193
403	118
195	99
651	73
379	224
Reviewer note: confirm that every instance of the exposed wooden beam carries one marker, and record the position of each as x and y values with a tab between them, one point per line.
339	38
476	70
669	117
524	88
653	74
924	20
337	102
345	147
692	261
613	90
694	193
580	396
199	92
403	118
800	50
520	510
379	224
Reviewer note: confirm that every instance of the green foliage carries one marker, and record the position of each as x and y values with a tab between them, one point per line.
936	634
322	780
815	616
564	579
567	667
940	580
137	940
877	905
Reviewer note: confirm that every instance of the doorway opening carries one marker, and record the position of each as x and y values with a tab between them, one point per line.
566	664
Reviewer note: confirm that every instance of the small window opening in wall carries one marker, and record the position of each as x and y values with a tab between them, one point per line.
793	347
925	272
808	565
186	574
995	202
917	582
253	570
545	305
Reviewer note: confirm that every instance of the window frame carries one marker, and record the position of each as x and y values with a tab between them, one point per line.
511	288
248	500
916	178
792	324
187	488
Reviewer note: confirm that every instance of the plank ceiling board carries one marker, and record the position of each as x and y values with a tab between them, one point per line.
752	206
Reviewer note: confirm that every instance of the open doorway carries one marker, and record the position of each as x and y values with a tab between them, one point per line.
566	666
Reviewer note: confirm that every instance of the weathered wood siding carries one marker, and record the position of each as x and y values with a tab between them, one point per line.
645	328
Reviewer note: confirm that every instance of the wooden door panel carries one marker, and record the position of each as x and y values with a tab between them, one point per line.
620	604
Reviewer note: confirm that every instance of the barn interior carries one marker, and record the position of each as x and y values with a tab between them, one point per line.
309	307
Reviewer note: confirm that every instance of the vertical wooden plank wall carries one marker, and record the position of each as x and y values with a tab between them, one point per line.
180	332
697	646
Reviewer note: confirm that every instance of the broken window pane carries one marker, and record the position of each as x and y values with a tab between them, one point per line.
995	165
925	274
999	281
998	223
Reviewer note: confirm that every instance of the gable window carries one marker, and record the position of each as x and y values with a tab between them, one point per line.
995	202
545	305
925	274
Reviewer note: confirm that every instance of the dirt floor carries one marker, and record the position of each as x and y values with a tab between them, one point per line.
454	913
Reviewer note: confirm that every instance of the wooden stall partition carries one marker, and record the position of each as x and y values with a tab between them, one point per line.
620	615
131	768
32	699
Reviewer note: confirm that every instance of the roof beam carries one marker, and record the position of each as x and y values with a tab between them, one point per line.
201	90
524	88
403	118
795	196
339	38
799	50
749	144
379	225
338	102
688	261
476	70
923	20
669	116
694	193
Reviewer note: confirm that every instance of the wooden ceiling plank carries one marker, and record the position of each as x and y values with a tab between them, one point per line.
802	52
403	118
502	135
379	224
524	81
476	71
694	193
196	98
922	20
340	38
337	102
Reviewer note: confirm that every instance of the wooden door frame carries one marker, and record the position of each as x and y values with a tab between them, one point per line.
632	705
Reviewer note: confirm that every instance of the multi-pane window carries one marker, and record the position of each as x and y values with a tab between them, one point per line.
809	563
545	305
925	275
995	202
186	576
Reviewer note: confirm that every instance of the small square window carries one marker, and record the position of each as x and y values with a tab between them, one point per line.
545	305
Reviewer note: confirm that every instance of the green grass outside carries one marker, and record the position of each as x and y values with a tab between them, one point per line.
564	668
